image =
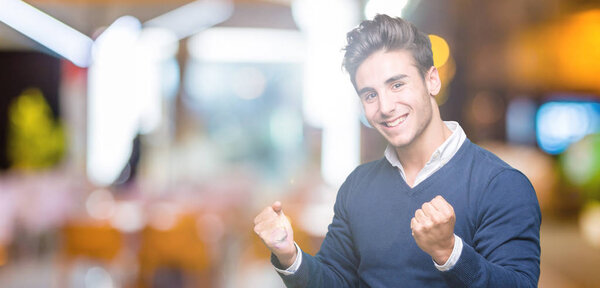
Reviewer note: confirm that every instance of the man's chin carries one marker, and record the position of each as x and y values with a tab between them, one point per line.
398	143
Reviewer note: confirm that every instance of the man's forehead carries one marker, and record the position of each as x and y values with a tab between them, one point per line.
382	65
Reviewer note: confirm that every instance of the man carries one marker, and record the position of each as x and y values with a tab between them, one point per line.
436	211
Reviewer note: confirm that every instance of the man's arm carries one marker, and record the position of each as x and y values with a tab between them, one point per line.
335	265
292	269
505	250
275	230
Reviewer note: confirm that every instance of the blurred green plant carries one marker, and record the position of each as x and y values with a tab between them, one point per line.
581	166
35	139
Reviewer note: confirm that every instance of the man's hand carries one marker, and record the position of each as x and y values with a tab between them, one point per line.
433	229
275	230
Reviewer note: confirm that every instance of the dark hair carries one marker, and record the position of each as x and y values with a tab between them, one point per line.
388	34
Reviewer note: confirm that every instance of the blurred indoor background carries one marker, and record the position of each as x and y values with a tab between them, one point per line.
139	138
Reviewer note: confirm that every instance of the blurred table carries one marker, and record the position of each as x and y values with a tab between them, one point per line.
567	260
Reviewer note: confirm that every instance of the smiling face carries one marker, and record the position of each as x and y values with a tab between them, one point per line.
397	101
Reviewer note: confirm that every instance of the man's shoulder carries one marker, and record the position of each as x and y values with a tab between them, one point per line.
485	159
488	165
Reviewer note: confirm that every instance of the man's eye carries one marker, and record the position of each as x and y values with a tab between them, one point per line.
397	85
370	96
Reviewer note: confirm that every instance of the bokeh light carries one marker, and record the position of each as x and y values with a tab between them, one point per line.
520	121
98	277
443	61
128	217
589	222
391	8
559	124
440	49
100	204
581	165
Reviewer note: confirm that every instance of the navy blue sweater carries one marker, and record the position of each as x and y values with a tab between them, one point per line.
369	242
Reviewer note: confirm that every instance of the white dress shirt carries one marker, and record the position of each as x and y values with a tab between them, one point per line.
438	159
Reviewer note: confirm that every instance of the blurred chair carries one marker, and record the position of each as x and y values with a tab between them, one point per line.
92	241
175	257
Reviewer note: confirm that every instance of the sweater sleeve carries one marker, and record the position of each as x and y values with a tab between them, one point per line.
505	250
335	265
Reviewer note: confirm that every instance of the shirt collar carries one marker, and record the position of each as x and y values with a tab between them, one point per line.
442	154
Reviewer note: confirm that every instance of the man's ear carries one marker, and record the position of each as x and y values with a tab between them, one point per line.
433	82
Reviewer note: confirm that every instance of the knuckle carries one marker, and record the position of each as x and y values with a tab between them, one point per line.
416	228
414	222
445	220
428	225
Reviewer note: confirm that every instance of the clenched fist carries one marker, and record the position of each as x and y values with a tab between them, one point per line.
433	229
275	230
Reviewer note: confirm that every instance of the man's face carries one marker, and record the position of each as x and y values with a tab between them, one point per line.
395	97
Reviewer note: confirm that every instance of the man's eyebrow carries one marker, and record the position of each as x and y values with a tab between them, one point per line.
388	81
395	78
365	89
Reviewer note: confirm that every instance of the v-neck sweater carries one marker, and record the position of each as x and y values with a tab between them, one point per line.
369	242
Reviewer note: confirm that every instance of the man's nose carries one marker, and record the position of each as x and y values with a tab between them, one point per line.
387	103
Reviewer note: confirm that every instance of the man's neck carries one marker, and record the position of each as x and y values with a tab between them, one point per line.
414	157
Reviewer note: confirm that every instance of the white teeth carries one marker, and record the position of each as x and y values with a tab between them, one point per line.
395	122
